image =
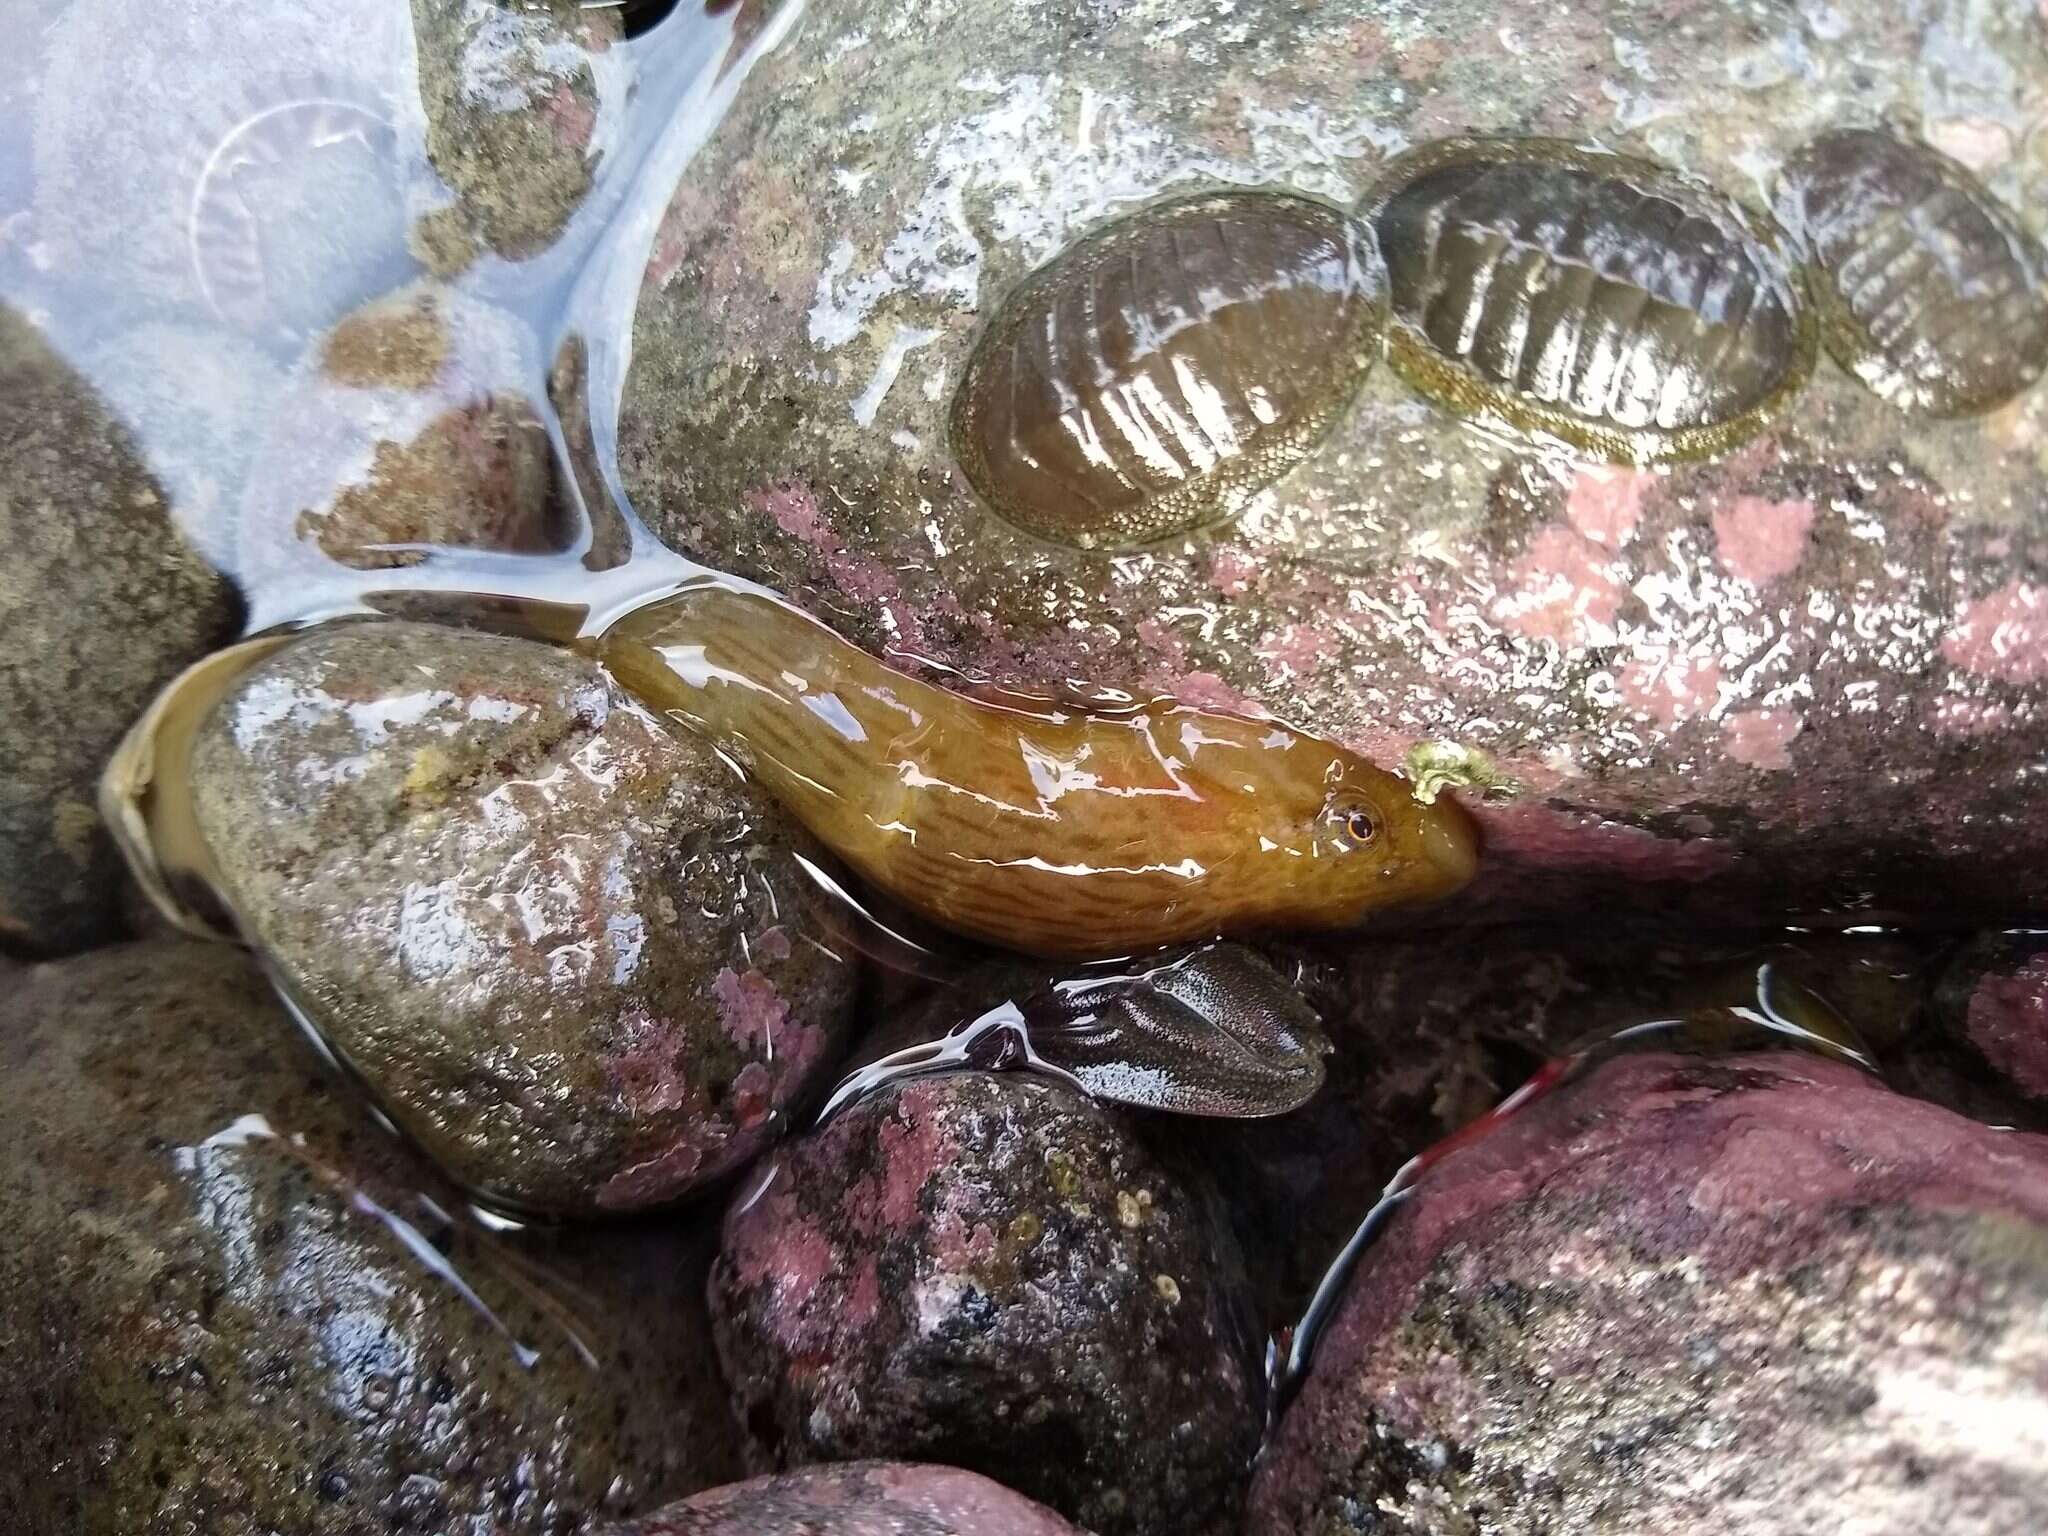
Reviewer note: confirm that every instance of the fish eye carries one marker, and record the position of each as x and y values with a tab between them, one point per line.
1361	826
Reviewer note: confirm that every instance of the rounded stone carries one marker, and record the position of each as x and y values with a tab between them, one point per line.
102	602
861	1498
1624	1309
989	1271
1157	373
1678	664
560	942
229	1303
517	99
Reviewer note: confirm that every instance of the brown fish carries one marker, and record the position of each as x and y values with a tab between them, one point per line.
1032	822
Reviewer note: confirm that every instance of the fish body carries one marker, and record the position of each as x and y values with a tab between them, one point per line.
1031	821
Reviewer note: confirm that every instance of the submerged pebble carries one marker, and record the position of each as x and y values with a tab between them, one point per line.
862	1498
1158	373
1932	292
228	1303
1592	297
561	945
990	1271
1652	1283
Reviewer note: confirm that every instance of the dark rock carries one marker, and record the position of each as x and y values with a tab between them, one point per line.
102	603
1993	1000
987	1270
1760	1293
558	940
229	1303
862	1498
1684	667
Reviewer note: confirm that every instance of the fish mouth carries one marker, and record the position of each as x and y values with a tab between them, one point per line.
1450	842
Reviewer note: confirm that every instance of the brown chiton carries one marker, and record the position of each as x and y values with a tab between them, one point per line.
1157	374
1930	292
1595	298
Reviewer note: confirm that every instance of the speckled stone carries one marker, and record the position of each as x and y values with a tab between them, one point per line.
1993	1000
102	602
1757	1293
862	1498
1684	668
230	1304
987	1270
514	96
562	943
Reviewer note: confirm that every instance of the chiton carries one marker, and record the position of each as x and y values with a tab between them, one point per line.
1590	297
1155	375
1930	292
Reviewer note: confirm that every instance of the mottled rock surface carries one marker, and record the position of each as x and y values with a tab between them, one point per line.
561	943
1759	1293
102	603
1993	999
862	1498
230	1303
1684	667
987	1270
514	96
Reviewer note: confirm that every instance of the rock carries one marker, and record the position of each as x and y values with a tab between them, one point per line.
407	423
1682	666
1760	1293
251	166
229	1303
518	100
102	603
987	1270
560	942
862	1498
1993	1000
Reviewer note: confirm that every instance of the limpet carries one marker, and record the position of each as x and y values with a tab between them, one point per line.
1930	292
1595	298
1155	375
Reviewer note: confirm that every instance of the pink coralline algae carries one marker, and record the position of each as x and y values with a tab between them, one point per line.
1761	738
1761	540
2003	635
1605	504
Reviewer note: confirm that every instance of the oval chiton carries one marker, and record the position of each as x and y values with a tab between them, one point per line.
1930	292
1591	297
1157	374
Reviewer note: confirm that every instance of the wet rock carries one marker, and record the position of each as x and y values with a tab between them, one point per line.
562	944
245	163
987	1270
1682	666
863	1498
1761	1292
101	602
1993	1000
407	423
516	100
229	1303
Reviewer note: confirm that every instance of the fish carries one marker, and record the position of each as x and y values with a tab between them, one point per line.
1040	822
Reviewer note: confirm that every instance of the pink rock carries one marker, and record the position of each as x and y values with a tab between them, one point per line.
1760	1293
859	1498
990	1268
1994	999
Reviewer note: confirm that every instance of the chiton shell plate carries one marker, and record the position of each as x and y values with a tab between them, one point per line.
1594	298
1930	291
1157	374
